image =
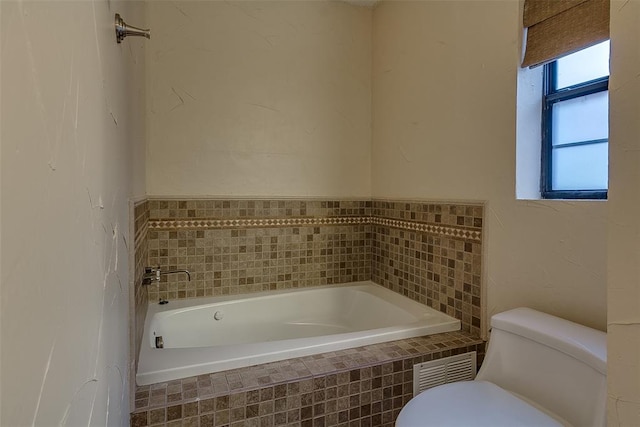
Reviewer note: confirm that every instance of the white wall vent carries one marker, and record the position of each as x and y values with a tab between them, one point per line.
461	367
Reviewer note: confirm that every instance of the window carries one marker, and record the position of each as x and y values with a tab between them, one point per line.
575	125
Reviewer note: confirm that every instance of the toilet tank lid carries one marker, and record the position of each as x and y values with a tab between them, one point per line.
585	344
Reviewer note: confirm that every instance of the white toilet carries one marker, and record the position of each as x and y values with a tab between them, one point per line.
539	370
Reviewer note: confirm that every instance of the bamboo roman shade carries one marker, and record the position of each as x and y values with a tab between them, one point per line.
558	27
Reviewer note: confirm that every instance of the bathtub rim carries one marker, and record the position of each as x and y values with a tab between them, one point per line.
193	357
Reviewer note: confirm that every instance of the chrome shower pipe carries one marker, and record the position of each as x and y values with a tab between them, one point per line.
123	30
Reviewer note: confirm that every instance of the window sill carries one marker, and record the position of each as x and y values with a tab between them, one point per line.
574	195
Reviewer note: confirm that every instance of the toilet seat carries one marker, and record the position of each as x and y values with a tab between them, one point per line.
472	403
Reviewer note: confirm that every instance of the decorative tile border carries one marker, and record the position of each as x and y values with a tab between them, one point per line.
441	213
462	233
255	222
459	232
256	208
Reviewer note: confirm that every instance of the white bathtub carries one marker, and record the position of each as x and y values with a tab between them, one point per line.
271	326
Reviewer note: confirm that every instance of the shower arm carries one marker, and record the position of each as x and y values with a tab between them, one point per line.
123	30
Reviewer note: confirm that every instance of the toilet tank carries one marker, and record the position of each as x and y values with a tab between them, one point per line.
557	365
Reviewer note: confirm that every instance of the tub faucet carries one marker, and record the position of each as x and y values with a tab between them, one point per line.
152	275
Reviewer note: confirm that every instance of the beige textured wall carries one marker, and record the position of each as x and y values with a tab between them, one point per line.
72	137
259	98
444	97
624	217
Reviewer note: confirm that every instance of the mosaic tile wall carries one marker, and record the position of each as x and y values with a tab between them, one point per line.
431	253
365	386
241	246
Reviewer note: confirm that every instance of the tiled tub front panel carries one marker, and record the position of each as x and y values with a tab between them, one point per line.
366	386
434	256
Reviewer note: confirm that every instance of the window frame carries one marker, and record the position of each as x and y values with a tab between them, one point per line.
550	96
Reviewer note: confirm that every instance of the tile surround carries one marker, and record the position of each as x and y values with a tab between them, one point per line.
241	246
362	386
442	269
430	252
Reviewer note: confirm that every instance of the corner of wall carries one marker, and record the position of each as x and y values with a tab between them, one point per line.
623	279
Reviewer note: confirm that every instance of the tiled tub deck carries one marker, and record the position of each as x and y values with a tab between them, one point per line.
365	386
